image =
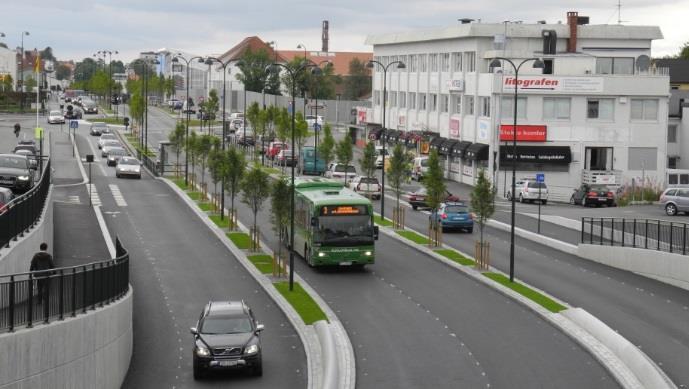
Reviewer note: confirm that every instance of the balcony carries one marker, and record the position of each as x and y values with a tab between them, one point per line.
601	177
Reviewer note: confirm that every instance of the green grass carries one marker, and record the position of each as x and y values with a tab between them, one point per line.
263	262
455	257
240	240
309	311
271	170
205	206
383	222
112	120
194	195
413	236
180	183
527	292
225	223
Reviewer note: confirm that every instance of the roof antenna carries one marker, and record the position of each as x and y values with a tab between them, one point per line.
619	12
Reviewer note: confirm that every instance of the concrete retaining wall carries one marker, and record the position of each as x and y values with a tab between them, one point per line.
670	268
91	350
17	257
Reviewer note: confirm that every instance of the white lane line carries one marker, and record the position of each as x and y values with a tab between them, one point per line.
95	199
117	194
105	231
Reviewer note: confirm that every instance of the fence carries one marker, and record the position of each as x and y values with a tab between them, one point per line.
660	235
22	213
30	298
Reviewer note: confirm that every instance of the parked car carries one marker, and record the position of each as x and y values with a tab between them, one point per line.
274	148
529	190
338	172
16	172
419	167
98	128
104	137
56	117
454	215
172	103
114	155
417	198
286	158
128	166
312	119
237	115
379	156
595	195
227	336
245	138
366	186
109	145
675	200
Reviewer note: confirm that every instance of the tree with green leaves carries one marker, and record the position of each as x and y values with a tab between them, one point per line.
252	113
252	72
482	201
203	147
29	83
358	82
345	153
279	207
272	113
436	190
235	166
321	85
136	107
255	190
47	54
63	72
190	150
301	131
283	123
176	137
684	51
84	70
398	170
99	83
367	162
326	149
211	106
6	84
216	166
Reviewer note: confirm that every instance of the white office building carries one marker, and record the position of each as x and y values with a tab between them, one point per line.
8	65
199	73
597	112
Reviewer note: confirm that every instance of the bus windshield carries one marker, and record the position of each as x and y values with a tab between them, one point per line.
344	230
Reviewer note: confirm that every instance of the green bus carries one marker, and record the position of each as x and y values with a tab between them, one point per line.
332	224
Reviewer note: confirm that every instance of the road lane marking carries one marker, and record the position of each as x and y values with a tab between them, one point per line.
95	199
117	195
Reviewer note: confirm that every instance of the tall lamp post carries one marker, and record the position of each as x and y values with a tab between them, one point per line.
400	65
186	137
537	64
21	101
293	76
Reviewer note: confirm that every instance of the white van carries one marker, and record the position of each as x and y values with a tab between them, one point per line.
419	168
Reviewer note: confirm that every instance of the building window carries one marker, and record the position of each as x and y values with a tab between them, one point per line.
469	105
507	109
403	59
433	61
600	109
456	62
393	99
642	158
644	109
412	100
547	66
392	68
556	107
445	62
402	99
485	106
614	65
444	103
456	104
376	97
424	101
434	102
672	133
470	61
598	158
423	63
672	163
412	63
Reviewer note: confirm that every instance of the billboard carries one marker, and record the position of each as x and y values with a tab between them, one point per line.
525	133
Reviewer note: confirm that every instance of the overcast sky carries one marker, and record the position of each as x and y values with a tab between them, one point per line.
78	28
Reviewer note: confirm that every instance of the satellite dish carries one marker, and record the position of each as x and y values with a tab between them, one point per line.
643	62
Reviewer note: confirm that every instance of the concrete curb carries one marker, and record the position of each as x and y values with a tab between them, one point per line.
598	348
532	236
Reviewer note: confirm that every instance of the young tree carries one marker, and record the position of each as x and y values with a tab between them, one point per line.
211	106
176	137
345	153
190	150
253	113
482	201
204	145
398	171
235	165
358	82
255	190
327	146
261	130
7	83
301	131
279	207
368	162
434	183
284	124
216	165
136	107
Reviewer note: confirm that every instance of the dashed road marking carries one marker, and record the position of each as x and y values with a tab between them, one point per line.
117	194
95	199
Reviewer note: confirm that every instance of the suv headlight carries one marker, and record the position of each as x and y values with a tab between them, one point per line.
202	351
253	349
23	178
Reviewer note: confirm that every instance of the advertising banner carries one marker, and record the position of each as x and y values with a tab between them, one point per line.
525	133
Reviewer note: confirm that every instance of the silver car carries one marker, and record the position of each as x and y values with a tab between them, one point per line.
128	167
115	154
55	117
107	145
104	137
675	200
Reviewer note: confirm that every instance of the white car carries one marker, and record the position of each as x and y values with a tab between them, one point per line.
312	119
529	190
379	156
56	117
104	137
338	172
366	186
128	166
419	168
107	145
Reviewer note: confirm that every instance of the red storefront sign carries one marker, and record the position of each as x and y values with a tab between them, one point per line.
454	128
525	133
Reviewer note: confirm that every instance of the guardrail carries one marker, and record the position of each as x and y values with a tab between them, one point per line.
659	235
22	213
34	297
149	163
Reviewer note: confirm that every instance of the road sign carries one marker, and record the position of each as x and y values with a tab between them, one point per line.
316	127
540	177
74	124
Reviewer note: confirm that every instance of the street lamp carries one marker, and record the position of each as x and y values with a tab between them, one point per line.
293	76
176	59
21	101
400	65
537	64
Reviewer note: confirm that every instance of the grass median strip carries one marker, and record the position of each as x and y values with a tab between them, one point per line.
383	222
455	257
205	206
309	311
240	240
527	292
413	236
180	183
196	196
224	223
263	262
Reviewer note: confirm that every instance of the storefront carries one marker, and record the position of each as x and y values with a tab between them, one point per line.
532	158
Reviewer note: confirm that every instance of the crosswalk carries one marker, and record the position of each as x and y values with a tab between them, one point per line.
117	194
95	199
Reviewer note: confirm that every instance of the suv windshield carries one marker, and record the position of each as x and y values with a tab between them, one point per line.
12	162
369	180
215	325
129	161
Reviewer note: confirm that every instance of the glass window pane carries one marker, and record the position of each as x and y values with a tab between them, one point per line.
637	109
650	109
623	66
592	109
606	109
603	65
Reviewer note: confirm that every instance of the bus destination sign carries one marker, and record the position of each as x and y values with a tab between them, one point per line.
343	210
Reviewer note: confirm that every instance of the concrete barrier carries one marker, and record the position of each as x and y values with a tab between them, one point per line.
91	350
329	354
535	237
17	257
666	267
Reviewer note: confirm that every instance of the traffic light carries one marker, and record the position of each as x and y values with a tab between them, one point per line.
17	128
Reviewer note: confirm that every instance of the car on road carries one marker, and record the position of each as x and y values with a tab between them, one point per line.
108	145
274	148
73	113
245	138
596	195
417	198
128	167
98	129
227	336
104	137
380	155
235	125
89	106
16	172
529	190
286	158
366	186
675	200
312	119
114	155
337	171
419	168
454	215
56	117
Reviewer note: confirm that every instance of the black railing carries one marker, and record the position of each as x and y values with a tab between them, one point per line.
23	212
659	235
149	163
35	297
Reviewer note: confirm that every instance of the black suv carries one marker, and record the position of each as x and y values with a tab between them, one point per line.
227	337
16	172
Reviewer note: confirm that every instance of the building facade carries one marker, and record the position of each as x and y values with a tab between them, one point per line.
597	112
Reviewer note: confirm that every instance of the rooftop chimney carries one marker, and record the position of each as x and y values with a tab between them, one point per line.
325	36
572	21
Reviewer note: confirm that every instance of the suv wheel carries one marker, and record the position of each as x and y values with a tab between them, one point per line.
671	209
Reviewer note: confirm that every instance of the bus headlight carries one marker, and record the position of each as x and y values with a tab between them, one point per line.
368	253
321	254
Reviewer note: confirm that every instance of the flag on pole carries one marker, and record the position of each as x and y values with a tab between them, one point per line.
37	64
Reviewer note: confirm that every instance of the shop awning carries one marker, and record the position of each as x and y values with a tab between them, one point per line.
436	142
477	152
459	148
446	147
393	135
537	154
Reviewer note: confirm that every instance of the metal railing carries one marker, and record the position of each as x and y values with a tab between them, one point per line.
23	212
149	163
659	235
44	296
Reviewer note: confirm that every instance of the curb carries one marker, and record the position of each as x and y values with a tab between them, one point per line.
570	326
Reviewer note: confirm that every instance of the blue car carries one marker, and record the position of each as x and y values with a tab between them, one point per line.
455	215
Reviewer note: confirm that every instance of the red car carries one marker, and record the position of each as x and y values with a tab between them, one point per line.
274	149
417	199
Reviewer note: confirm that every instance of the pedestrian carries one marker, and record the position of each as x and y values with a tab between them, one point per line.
41	262
17	128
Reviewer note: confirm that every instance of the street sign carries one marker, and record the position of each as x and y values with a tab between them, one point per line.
74	124
316	127
540	177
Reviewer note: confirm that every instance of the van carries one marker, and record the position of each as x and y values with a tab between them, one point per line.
419	168
310	162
